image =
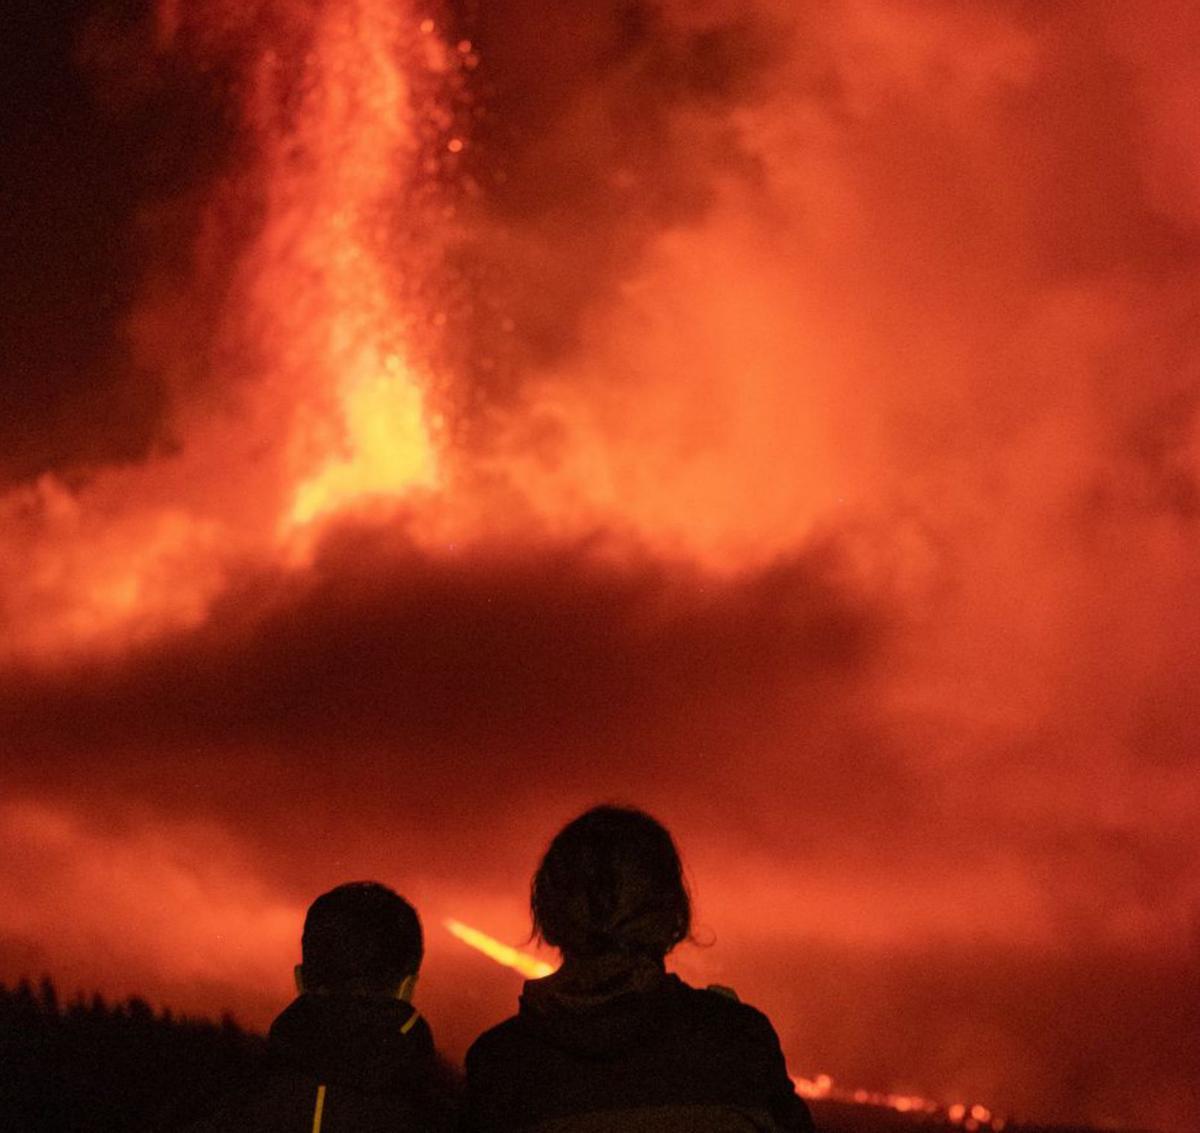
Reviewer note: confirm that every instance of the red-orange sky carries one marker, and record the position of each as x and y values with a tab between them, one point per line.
419	423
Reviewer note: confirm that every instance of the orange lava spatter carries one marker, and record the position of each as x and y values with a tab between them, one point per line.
321	283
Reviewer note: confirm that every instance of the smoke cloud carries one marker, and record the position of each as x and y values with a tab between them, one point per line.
427	422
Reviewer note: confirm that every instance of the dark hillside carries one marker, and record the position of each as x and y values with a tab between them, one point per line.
88	1066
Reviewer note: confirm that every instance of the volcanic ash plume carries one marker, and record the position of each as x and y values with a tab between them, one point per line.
783	416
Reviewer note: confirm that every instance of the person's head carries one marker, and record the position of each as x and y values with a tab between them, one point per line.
363	938
611	881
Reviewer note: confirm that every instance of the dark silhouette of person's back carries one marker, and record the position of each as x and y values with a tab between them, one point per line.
611	1043
351	1052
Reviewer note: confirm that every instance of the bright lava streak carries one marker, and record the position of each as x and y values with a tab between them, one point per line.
529	966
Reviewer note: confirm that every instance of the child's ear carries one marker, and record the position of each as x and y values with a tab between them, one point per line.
406	987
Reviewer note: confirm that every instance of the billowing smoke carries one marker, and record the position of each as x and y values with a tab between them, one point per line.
434	420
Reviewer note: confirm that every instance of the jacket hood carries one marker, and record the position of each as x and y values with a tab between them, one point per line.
372	1044
599	1006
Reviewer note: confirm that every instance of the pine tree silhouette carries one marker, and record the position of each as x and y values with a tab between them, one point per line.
92	1067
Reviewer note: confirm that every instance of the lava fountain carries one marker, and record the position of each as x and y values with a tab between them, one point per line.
338	139
300	398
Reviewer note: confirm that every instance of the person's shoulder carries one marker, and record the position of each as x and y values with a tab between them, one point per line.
715	999
721	1008
496	1040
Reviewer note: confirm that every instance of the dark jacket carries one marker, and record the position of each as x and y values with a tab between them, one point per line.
614	1044
367	1064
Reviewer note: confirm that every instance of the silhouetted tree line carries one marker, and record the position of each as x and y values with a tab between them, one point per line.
88	1066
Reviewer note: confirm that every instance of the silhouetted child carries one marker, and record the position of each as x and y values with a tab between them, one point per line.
351	1052
611	1042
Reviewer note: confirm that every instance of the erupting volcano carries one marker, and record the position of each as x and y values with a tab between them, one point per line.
421	422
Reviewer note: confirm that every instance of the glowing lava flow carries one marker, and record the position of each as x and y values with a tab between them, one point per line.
974	1118
529	966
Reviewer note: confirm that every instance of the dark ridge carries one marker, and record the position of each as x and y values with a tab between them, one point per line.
90	1066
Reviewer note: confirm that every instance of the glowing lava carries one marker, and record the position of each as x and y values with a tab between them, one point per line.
529	966
321	408
386	447
323	289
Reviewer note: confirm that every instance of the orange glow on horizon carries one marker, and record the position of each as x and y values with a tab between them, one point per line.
822	1086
